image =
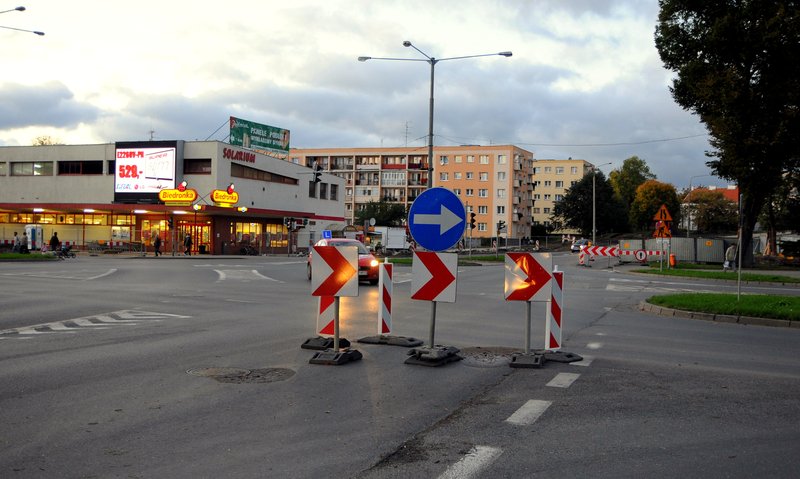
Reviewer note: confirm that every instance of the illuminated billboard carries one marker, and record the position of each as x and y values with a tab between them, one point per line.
266	139
143	169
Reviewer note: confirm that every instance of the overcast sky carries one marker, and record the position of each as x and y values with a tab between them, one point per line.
585	80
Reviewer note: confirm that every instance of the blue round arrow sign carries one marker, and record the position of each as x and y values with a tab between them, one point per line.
437	219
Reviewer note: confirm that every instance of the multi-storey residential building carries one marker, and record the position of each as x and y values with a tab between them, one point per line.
552	179
494	181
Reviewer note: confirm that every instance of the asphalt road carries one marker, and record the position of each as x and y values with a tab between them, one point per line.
192	367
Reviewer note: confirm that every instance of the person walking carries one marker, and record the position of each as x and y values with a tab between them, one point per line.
157	245
730	258
15	244
187	244
23	246
54	243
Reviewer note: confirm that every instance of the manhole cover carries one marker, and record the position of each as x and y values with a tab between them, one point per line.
490	357
241	376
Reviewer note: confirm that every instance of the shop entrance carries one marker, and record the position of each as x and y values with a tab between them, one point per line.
200	232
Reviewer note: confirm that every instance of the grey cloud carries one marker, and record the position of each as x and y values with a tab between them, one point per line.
51	104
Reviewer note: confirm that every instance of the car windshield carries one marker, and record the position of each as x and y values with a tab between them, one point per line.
361	248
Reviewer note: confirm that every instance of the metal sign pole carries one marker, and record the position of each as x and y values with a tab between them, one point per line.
433	322
336	324
528	328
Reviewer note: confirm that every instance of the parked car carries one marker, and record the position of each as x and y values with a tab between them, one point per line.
367	264
579	245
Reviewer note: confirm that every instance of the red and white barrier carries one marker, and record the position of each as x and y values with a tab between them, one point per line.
385	289
555	307
325	315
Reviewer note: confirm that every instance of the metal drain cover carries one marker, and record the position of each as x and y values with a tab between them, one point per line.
490	357
242	376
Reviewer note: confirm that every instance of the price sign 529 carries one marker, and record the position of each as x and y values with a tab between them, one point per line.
128	171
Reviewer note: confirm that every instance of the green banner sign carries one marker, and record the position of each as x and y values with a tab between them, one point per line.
259	137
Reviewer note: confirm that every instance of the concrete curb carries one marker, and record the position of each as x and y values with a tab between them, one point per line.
719	318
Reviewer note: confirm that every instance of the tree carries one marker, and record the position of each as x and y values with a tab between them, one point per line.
575	210
385	213
782	210
43	140
737	68
712	212
633	172
650	195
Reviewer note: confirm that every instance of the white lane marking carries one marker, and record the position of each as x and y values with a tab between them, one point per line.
221	275
256	273
473	463
594	345
563	380
239	301
529	412
107	273
104	321
586	361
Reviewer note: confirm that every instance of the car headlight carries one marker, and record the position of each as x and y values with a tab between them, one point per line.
374	263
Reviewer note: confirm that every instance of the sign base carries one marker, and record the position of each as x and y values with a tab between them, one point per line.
392	341
321	343
433	356
532	360
562	357
334	358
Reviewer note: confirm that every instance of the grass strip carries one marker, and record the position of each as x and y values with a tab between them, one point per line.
705	274
756	305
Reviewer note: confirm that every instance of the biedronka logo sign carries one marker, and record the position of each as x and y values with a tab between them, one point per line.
177	197
224	198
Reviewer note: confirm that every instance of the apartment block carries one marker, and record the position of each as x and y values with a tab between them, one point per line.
552	178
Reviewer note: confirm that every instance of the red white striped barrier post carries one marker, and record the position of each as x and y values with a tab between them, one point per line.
385	289
555	308
325	315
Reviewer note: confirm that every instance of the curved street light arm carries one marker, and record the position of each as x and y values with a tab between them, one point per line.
23	30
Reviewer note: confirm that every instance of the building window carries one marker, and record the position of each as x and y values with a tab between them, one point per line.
470	175
537	196
334	193
501	176
501	193
312	189
197	166
548	183
481	226
536	211
559	170
546	210
501	159
559	184
483	176
458	158
457	175
80	167
484	159
470	158
323	191
501	210
559	197
470	192
457	191
443	160
241	171
443	176
573	170
573	183
537	170
548	169
483	193
483	209
547	197
3	168
30	168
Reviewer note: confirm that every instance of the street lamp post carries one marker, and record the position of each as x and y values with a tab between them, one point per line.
19	9
432	62
594	202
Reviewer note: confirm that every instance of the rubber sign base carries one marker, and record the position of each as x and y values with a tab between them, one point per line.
403	341
532	360
433	356
321	343
334	358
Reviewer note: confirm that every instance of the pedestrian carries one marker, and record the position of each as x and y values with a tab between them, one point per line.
23	246
730	258
536	247
157	245
54	243
15	243
187	244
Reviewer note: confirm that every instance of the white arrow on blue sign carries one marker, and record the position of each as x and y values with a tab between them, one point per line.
437	219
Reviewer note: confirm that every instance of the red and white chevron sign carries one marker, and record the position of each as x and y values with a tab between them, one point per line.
385	286
433	276
335	271
553	326
602	250
528	276
325	315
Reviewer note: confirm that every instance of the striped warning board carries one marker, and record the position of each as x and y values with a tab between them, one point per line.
555	308
325	315
385	287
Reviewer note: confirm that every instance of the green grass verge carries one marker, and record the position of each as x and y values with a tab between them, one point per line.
756	305
27	257
705	274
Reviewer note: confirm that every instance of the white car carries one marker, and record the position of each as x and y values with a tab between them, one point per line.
579	245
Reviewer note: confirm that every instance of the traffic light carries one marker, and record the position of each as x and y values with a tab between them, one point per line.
288	222
317	173
501	225
472	221
305	221
169	224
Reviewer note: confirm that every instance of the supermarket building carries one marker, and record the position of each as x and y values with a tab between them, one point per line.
106	196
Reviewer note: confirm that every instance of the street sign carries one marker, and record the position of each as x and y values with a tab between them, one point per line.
662	214
437	219
662	230
602	250
528	276
433	276
335	271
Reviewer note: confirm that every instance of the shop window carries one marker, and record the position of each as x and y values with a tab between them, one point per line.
197	166
80	167
334	194
32	168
